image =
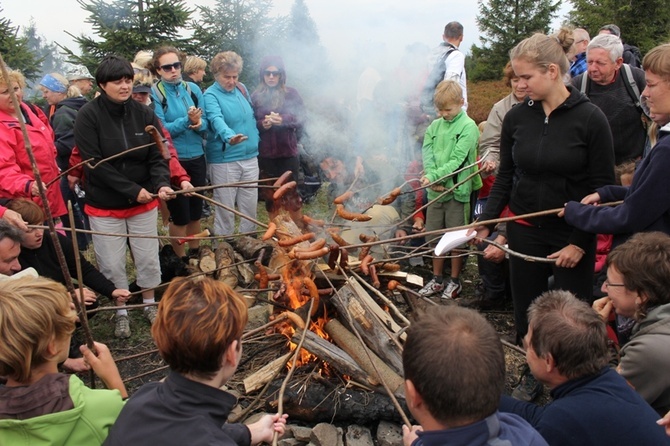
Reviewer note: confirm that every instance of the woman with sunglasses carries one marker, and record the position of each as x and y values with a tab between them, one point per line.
179	105
279	113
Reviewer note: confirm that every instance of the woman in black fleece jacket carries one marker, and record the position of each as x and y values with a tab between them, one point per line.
555	147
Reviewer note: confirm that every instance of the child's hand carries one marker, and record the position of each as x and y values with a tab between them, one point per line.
263	430
104	366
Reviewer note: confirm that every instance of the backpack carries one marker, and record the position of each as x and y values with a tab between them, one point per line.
435	77
629	82
632	55
159	90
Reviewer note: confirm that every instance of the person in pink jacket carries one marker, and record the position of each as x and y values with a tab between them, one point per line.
16	171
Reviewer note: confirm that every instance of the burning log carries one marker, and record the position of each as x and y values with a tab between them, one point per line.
333	356
352	299
348	342
323	401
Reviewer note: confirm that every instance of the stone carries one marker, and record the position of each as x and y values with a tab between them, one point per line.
290	442
258	315
358	436
300	432
324	434
389	434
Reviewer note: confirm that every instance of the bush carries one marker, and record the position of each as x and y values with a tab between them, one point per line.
481	97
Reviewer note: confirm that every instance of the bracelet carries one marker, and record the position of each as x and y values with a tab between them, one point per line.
578	249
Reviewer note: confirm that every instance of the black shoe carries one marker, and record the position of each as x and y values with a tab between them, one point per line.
529	388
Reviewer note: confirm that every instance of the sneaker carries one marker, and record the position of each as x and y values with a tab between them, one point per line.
122	329
431	288
150	313
452	290
529	388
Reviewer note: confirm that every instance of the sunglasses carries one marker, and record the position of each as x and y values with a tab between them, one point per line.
272	73
141	70
171	66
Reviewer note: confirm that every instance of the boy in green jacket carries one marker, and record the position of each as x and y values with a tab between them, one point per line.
450	144
38	405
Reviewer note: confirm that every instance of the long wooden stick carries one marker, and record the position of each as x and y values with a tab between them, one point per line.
87	162
229	209
475	224
296	353
47	210
80	280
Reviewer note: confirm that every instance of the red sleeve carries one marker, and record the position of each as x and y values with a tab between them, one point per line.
177	172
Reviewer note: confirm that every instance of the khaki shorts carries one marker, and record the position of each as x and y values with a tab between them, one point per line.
445	214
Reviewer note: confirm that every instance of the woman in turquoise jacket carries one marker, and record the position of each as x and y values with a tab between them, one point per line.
179	105
232	143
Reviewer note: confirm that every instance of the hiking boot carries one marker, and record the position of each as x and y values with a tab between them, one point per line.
431	288
528	388
122	329
150	313
452	290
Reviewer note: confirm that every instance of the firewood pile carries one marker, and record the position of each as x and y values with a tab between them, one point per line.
351	352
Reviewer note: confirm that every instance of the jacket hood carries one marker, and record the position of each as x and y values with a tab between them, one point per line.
74	103
270	61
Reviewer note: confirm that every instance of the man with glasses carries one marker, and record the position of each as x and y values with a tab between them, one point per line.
566	350
582	40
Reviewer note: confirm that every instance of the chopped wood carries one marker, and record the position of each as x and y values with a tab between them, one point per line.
250	247
225	256
261	377
206	259
348	342
374	332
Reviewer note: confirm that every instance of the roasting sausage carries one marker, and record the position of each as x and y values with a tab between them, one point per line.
344	197
391	197
365	264
283	189
272	228
282	179
285	243
313	221
352	216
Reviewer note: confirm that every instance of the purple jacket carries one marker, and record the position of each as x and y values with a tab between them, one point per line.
280	141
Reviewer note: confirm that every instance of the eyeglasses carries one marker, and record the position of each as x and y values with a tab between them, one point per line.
171	66
141	70
607	284
272	73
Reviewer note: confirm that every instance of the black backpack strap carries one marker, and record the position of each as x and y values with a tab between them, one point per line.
194	98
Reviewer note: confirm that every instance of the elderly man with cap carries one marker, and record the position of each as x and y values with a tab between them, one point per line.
81	78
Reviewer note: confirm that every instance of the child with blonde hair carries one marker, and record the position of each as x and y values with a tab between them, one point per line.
38	405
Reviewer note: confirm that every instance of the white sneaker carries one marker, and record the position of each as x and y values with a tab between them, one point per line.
452	290
431	288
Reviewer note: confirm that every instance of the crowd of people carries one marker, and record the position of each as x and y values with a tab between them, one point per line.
576	111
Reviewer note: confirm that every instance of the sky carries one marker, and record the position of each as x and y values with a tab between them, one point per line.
343	25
